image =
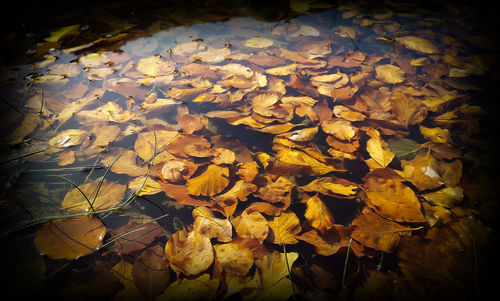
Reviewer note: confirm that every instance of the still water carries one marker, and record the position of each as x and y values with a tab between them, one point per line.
242	151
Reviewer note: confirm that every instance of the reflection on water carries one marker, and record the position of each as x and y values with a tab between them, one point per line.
245	151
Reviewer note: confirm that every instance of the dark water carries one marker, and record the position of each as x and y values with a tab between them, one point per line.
47	66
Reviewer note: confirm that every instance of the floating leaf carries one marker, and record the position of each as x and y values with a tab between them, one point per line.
379	150
70	238
173	171
376	232
212	181
291	162
189	253
68	138
110	194
251	225
155	66
385	192
205	222
275	284
55	36
284	229
235	259
318	214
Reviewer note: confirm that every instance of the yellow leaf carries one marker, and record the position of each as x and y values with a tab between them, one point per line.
293	162
58	34
235	259
68	138
318	214
189	253
284	229
212	181
390	74
197	289
418	44
251	225
438	135
379	150
259	42
338	188
109	195
205	222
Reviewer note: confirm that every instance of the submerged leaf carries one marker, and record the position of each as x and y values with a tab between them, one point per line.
212	181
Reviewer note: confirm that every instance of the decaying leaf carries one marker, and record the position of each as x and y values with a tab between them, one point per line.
418	44
151	272
284	229
205	222
197	289
235	259
318	214
251	225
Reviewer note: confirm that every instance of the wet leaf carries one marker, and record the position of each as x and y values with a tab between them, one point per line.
68	138
341	129
174	171
197	289
155	66
447	197
376	232
438	135
390	74
70	238
151	272
189	253
284	229
259	42
212	181
206	223
330	241
66	158
332	186
235	259
418	44
275	284
135	236
291	162
318	214
385	193
145	144
251	225
110	194
147	185
379	150
408	110
55	36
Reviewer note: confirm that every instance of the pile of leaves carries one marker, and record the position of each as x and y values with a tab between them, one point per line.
365	157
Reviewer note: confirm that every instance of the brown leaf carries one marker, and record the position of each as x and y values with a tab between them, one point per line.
70	238
206	223
408	110
151	273
139	237
328	242
373	231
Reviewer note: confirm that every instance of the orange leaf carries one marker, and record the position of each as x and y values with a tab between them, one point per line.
212	181
318	214
251	225
109	195
205	222
189	253
385	192
70	238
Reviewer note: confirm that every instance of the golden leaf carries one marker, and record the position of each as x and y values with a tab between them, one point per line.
151	273
189	253
145	144
251	225
390	74
318	214
197	289
418	44
373	231
340	128
68	138
235	259
212	181
379	150
110	194
205	222
70	238
284	229
275	285
385	193
436	134
258	42
330	241
294	162
173	171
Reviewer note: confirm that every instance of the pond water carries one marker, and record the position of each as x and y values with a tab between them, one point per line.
239	151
